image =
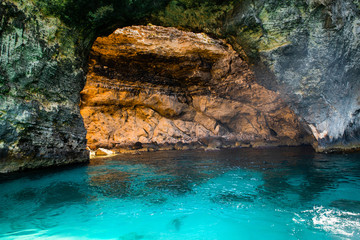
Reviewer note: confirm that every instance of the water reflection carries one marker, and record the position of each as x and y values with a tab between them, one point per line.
290	177
287	171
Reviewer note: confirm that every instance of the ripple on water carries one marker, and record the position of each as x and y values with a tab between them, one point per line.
223	195
346	205
232	198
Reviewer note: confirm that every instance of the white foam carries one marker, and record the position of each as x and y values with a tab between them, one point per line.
335	221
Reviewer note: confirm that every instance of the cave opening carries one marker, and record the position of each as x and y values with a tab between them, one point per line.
151	87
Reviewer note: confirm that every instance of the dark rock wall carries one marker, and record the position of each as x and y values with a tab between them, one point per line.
312	49
40	81
309	48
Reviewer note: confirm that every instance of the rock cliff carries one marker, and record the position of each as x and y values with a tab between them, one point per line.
155	84
307	51
312	49
40	81
304	51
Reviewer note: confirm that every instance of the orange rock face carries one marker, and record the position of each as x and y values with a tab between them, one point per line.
154	84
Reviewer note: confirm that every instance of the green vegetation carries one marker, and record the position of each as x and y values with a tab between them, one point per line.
79	22
96	14
207	16
254	26
102	16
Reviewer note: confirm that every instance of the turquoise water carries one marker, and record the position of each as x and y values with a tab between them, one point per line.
282	193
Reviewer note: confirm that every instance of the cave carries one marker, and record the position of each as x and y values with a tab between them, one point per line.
299	58
151	87
228	90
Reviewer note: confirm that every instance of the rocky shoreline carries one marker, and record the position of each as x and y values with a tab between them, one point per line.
212	144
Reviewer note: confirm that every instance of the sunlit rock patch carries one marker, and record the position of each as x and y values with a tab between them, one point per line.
160	86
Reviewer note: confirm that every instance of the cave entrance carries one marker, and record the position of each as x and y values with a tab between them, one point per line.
151	87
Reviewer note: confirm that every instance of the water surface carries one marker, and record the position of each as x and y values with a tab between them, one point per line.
280	193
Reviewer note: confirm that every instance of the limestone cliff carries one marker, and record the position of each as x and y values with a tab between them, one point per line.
155	84
307	51
312	49
40	81
304	50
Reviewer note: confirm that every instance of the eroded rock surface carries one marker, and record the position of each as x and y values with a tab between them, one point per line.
154	84
312	49
306	50
40	122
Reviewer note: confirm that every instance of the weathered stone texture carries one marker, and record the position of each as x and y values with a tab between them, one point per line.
312	49
40	124
155	84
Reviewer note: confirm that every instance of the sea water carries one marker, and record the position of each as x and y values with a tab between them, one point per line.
278	193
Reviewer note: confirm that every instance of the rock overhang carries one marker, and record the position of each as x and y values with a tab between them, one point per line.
152	84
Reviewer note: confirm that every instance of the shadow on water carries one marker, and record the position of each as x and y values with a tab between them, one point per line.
311	175
34	174
62	193
53	196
